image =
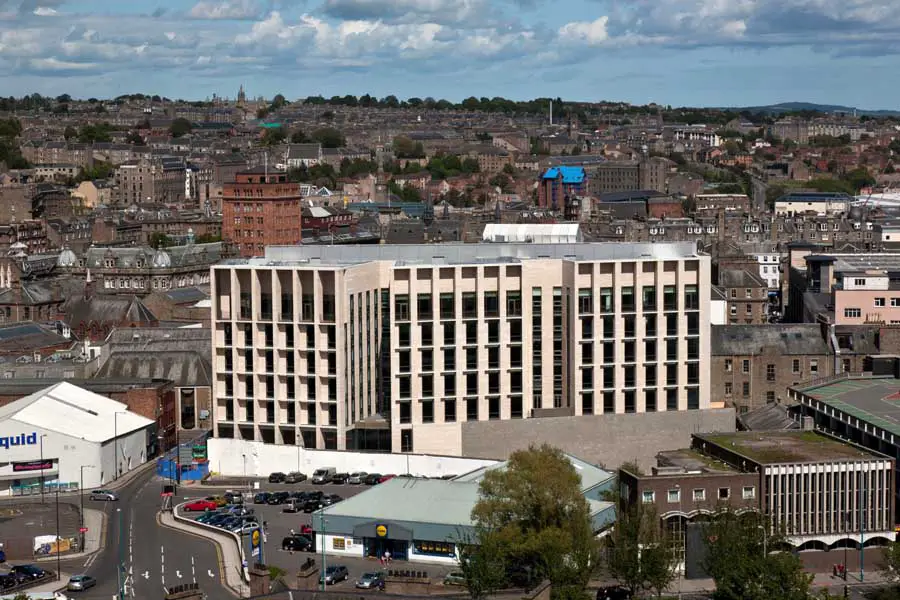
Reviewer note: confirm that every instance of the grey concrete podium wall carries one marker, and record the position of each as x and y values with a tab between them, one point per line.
608	440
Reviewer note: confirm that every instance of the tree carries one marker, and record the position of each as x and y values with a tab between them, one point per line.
134	138
298	137
278	102
273	136
180	127
640	552
70	132
532	520
329	137
99	132
160	240
744	561
404	147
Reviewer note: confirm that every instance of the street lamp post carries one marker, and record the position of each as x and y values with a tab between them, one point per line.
244	459
43	435
58	559
324	560
81	493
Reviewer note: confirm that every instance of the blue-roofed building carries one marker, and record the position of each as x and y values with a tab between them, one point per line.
558	182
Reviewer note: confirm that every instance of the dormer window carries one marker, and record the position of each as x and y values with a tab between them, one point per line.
109	263
139	263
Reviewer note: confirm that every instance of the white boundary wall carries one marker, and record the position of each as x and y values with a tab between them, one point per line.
236	458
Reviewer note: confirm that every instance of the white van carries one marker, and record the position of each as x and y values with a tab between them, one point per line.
323	475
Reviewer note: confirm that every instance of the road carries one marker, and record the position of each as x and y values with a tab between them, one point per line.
153	557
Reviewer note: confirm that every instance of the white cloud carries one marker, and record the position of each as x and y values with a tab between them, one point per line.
225	9
44	11
591	33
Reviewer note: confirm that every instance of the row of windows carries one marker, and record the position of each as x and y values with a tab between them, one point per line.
673	496
796	368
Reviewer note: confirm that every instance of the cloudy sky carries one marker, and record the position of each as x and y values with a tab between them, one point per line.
680	52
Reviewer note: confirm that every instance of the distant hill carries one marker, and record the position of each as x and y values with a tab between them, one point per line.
784	107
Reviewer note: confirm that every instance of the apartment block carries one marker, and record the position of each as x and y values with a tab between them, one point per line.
261	208
393	347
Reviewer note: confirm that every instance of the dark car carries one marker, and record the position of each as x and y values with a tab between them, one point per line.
28	572
340	478
613	592
299	495
334	574
313	504
277	477
261	498
295	477
8	580
372	478
297	543
330	499
279	498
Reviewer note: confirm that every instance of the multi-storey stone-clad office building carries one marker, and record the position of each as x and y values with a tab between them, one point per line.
385	347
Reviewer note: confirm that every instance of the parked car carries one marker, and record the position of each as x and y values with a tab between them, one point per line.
79	583
295	477
340	478
312	505
218	519
293	506
297	543
219	500
334	574
199	506
331	499
455	578
261	498
8	580
28	572
370	581
104	495
357	477
243	528
323	475
372	478
613	592
306	529
279	498
209	516
277	477
234	497
386	478
299	495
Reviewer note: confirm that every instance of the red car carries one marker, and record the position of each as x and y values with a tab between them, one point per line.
386	478
199	505
304	529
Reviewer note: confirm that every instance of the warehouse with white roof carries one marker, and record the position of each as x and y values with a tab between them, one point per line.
51	434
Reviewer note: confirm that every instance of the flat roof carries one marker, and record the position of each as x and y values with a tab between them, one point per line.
875	400
857	263
461	254
591	475
767	447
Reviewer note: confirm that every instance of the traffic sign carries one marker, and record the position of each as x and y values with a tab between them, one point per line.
83	530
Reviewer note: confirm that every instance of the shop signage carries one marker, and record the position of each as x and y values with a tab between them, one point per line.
34	465
18	440
381	531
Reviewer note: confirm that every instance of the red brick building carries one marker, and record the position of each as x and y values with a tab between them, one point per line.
261	208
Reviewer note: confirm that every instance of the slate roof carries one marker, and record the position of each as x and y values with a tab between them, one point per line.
789	339
771	417
172	257
304	151
740	278
107	309
184	368
24	338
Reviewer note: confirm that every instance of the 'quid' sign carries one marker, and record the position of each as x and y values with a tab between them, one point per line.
22	439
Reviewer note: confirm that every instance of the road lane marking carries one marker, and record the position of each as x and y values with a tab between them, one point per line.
177	573
146	575
193	572
210	573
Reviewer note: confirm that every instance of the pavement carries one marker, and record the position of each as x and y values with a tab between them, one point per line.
227	549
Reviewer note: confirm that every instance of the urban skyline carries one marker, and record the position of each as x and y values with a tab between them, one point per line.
677	52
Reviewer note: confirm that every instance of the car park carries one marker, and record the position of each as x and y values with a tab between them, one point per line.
199	505
79	583
277	477
334	574
372	478
370	581
455	578
295	477
103	495
297	543
357	477
340	478
261	498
